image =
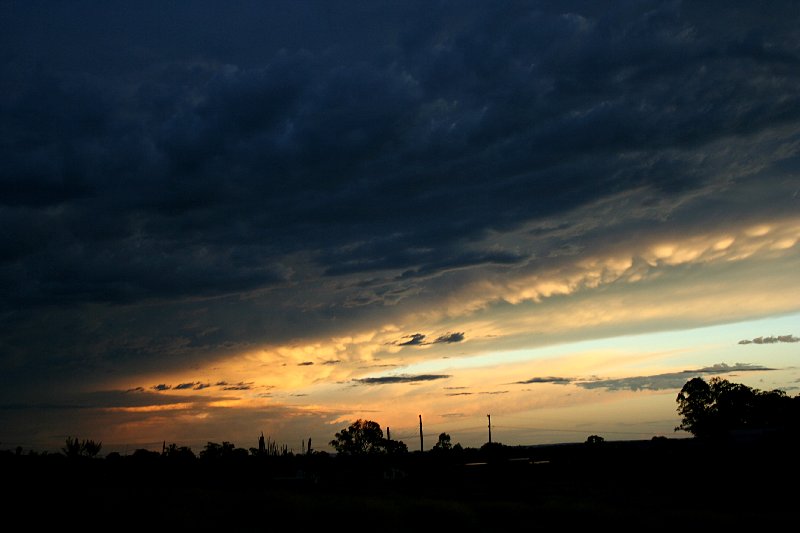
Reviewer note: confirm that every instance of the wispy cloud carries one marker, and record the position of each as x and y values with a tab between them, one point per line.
306	363
162	386
771	340
673	380
385	380
476	393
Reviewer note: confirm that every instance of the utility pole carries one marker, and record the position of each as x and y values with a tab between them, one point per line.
421	447
308	450
388	434
490	428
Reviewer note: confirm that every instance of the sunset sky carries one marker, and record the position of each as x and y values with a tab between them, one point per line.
225	218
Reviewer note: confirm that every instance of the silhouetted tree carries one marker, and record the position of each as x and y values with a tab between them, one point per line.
174	452
594	439
360	438
715	408
394	446
269	447
215	450
81	448
443	443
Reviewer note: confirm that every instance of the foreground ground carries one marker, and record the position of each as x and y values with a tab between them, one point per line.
654	485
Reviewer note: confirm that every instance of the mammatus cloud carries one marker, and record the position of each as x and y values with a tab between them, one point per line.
674	380
418	339
771	340
384	380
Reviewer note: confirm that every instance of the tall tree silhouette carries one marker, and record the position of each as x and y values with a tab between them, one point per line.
717	407
364	437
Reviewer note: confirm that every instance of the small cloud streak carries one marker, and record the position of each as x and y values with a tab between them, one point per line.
418	339
450	338
305	363
184	386
161	387
473	393
548	379
386	380
771	339
238	386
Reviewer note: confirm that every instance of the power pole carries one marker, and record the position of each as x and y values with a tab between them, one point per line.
388	434
421	447
490	428
308	450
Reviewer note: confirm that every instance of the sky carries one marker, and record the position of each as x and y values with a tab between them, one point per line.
219	219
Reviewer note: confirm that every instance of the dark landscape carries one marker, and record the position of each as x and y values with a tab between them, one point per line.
739	470
661	484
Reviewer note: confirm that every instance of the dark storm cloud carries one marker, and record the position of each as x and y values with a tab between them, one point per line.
477	122
674	380
385	380
771	339
111	399
161	161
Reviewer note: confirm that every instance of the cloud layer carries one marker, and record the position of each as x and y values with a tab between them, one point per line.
291	193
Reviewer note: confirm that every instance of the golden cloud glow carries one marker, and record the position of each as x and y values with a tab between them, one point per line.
724	276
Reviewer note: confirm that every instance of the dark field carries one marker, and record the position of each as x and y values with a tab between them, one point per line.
639	485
